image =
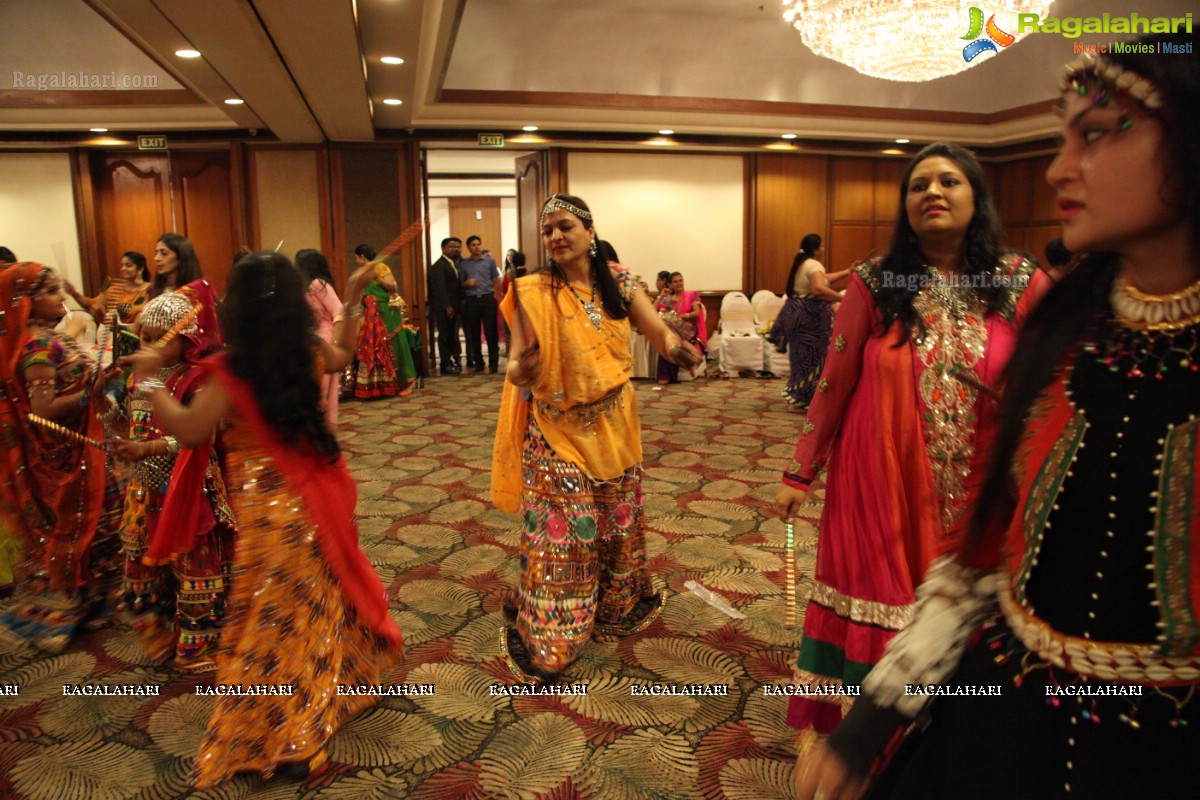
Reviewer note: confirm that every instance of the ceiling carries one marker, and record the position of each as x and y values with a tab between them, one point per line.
309	71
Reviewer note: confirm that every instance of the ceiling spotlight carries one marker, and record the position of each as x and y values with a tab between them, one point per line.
391	101
234	101
530	128
666	132
392	60
788	136
98	130
188	53
902	141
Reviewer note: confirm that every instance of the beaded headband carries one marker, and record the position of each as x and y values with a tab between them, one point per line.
163	312
1104	80
555	203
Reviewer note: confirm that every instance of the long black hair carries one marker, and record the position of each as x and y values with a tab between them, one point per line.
982	247
809	246
313	266
1078	304
610	293
266	322
186	271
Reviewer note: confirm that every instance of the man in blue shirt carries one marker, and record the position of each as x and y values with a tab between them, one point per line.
477	273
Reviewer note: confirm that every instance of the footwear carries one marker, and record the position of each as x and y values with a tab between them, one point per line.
493	370
516	658
642	616
508	606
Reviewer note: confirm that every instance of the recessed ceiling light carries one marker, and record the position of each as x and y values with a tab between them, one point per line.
392	60
902	141
666	132
98	130
234	101
188	53
391	101
788	136
530	128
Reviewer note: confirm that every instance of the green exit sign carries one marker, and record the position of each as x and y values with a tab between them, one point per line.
152	143
491	140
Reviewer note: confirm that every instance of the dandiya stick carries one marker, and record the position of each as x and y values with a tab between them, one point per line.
406	236
54	427
178	327
789	618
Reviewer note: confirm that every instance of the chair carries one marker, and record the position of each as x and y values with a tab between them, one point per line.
773	361
741	346
760	297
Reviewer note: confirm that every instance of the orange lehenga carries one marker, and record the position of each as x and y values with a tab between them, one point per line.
305	609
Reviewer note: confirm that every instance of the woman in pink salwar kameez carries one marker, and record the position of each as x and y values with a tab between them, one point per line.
918	346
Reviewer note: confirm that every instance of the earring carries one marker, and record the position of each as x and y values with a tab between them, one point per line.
549	262
592	249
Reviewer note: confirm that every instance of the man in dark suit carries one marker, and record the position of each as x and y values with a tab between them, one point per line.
445	304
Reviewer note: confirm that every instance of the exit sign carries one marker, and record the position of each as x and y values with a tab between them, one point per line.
491	140
152	143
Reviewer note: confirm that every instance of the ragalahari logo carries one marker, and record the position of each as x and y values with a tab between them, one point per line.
995	36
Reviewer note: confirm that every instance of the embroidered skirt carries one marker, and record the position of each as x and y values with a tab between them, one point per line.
583	553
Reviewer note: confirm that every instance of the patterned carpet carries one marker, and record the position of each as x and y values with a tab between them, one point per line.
714	451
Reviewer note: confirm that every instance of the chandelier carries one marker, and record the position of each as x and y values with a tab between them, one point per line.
908	40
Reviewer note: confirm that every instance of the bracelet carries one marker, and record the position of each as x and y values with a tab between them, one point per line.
355	312
172	445
148	385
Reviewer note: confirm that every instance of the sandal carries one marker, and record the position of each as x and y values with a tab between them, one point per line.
516	658
644	613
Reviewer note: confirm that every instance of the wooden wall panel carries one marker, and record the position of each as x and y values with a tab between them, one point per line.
370	189
477	216
847	244
790	201
853	190
888	173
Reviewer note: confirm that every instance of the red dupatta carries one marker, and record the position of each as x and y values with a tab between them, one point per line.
328	493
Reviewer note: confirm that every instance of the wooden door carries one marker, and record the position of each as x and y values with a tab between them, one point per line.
477	216
531	192
202	194
134	208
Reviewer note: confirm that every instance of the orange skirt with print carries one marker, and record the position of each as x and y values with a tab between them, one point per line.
288	623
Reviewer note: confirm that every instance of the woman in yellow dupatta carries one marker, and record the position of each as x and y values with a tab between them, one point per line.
568	448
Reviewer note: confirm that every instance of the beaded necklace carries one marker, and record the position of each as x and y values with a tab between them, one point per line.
1149	333
589	308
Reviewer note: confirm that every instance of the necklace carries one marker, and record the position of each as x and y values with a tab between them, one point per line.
1149	333
589	308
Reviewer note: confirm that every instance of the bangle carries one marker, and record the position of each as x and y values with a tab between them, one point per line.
148	385
355	312
172	445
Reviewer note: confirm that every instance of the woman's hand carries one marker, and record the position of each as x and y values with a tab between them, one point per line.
684	355
525	370
127	450
145	362
788	501
822	775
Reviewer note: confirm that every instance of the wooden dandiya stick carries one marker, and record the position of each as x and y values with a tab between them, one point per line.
405	237
61	430
178	327
789	616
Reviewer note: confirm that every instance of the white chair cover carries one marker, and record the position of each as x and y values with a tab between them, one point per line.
741	346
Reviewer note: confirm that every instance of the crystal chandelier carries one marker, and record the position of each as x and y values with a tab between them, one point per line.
908	40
